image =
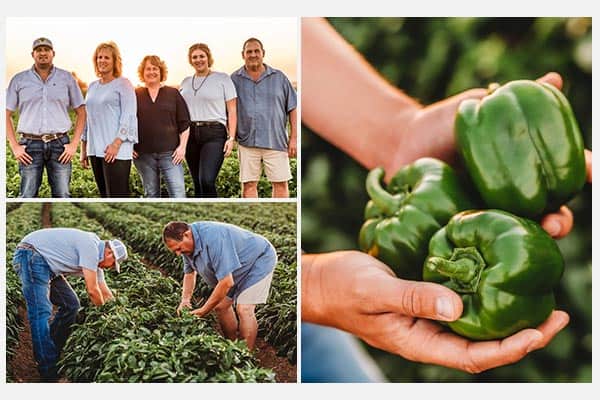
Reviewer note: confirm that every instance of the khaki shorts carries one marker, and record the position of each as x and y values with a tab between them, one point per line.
257	293
277	164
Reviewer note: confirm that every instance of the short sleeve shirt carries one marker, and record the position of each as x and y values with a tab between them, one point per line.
43	105
221	249
263	107
206	97
68	251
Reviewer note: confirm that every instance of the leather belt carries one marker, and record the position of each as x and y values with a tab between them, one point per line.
47	137
205	123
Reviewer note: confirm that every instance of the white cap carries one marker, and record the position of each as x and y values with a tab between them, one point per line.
119	252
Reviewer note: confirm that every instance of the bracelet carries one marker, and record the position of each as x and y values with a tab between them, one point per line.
230	138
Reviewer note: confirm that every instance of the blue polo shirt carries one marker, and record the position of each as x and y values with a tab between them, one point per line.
262	108
221	249
43	106
67	251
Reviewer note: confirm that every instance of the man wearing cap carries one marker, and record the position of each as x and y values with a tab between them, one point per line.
42	260
43	96
237	264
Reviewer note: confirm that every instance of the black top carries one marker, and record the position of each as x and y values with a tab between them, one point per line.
160	122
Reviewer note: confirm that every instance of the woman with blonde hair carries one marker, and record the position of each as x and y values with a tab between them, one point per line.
211	100
163	128
111	128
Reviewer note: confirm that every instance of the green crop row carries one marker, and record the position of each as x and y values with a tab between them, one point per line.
138	337
277	318
19	222
84	186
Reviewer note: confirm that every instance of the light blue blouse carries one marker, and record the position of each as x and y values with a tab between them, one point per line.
111	113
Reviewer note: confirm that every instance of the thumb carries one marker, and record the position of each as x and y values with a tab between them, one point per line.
422	299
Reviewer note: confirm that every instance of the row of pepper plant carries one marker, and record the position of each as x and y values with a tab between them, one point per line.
83	184
278	318
19	221
138	337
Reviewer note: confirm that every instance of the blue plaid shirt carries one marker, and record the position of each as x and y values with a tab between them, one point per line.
262	108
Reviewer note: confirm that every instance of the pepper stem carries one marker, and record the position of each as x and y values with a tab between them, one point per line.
463	268
385	201
492	87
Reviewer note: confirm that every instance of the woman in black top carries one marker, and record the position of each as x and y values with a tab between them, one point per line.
163	129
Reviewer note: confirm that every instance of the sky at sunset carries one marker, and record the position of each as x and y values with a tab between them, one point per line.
75	40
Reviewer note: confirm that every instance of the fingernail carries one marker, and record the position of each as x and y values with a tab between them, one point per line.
553	228
444	308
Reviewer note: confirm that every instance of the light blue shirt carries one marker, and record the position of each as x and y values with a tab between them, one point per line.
68	251
262	108
221	249
43	106
111	113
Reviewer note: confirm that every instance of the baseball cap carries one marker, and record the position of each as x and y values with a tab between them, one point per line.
119	251
41	42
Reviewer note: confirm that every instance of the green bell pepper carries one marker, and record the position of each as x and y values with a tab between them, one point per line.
419	200
503	266
522	147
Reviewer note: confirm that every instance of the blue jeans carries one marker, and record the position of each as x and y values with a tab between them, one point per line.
45	155
204	156
333	356
41	289
152	165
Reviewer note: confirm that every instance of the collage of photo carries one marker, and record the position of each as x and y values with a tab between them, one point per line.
298	200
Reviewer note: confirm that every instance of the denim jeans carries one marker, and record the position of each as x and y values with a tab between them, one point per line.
333	356
112	178
152	165
204	156
41	289
45	155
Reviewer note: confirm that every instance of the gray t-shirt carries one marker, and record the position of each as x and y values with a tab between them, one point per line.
67	251
211	93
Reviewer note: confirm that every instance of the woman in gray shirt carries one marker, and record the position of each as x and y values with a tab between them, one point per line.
211	100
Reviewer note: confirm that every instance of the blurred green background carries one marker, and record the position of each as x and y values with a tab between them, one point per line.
431	59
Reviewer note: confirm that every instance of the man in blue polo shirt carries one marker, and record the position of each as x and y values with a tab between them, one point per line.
266	101
237	264
43	96
42	260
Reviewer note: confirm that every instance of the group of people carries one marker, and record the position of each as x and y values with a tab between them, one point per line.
155	126
236	263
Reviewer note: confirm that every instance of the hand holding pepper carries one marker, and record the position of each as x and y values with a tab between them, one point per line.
353	291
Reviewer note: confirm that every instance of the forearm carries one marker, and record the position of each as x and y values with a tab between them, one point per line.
10	130
311	289
183	138
293	116
79	124
218	294
345	100
189	282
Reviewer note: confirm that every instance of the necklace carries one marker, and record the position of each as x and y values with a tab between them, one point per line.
201	83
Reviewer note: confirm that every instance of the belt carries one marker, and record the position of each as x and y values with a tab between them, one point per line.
26	246
205	123
48	137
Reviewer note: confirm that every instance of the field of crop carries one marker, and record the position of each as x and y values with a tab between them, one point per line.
84	186
138	337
